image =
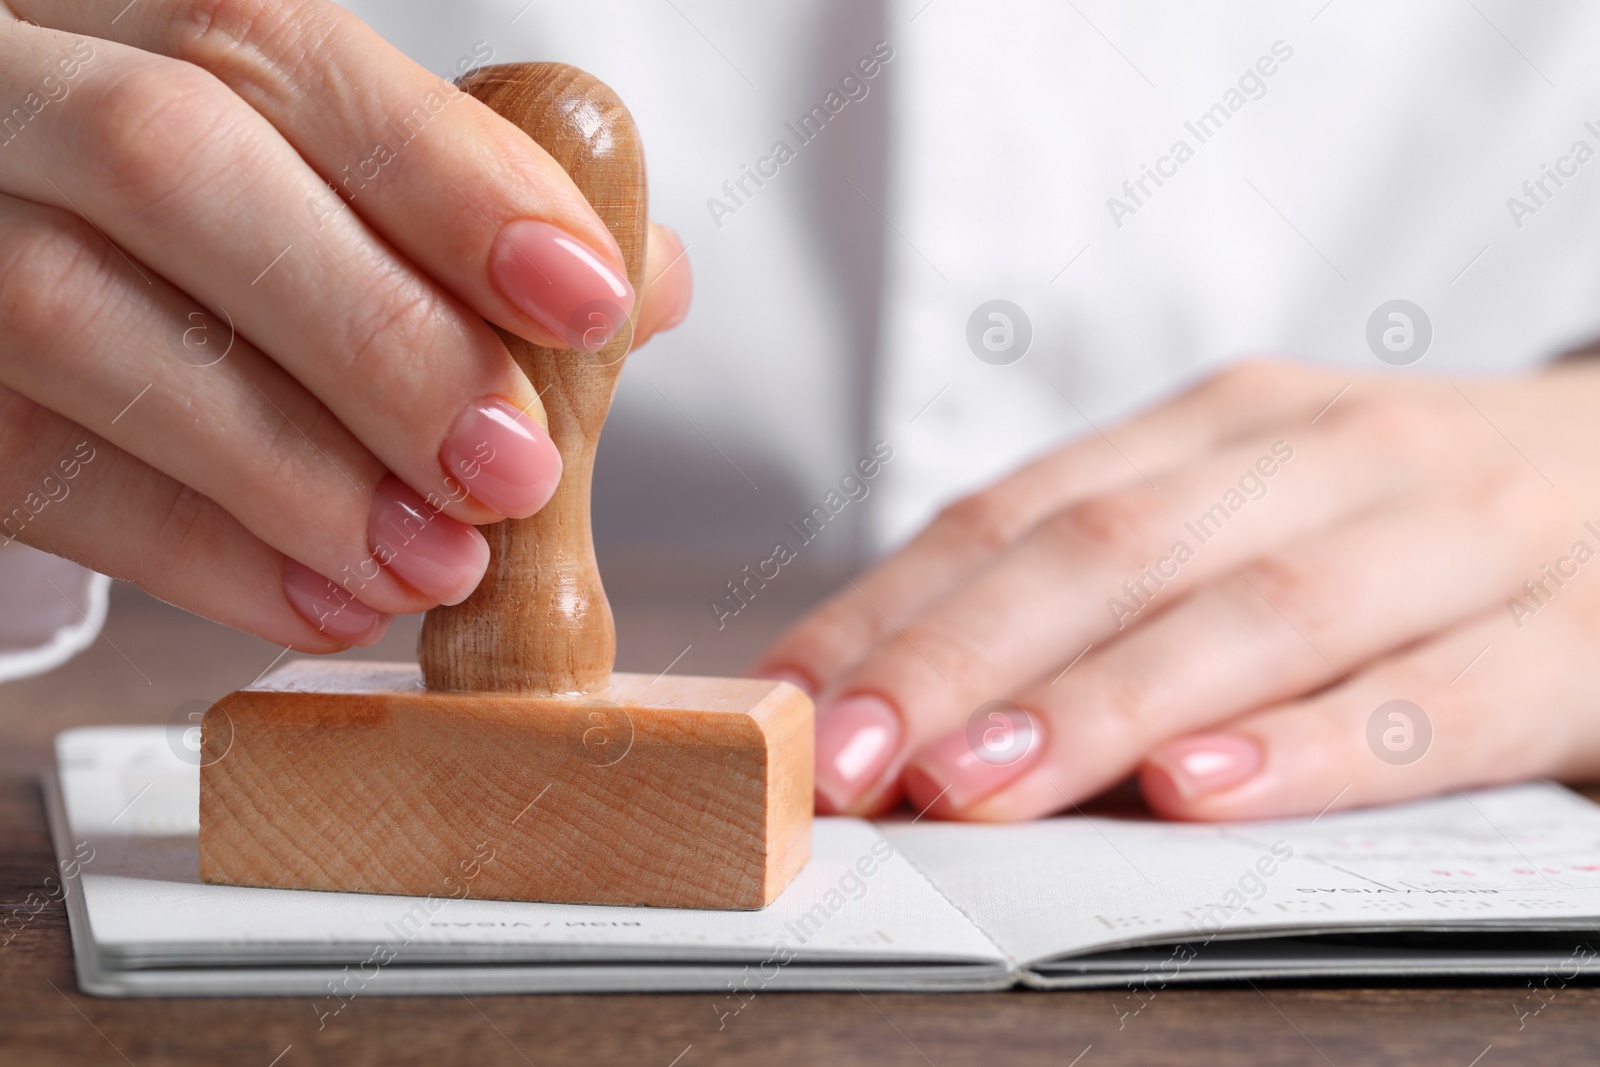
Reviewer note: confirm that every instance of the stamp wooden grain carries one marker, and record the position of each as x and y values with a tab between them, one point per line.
673	792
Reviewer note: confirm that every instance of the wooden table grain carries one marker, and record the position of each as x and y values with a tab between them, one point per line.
153	659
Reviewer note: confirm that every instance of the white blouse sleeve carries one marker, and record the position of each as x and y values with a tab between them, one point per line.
50	610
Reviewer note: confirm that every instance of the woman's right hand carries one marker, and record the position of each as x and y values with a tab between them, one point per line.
268	400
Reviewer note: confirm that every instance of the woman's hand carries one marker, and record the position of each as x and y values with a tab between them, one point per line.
1225	595
247	252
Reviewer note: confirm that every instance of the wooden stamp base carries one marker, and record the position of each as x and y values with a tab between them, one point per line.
670	792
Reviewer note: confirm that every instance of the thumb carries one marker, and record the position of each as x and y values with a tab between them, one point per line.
668	284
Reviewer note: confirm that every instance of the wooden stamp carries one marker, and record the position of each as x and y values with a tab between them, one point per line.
512	763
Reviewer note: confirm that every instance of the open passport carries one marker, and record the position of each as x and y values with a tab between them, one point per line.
1496	882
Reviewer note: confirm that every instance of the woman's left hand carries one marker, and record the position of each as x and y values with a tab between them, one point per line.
1284	592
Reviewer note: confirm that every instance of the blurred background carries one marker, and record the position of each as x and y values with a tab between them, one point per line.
1356	152
1336	156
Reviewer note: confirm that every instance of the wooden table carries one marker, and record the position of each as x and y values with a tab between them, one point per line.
154	658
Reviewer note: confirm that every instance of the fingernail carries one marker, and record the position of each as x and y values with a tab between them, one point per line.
561	283
856	739
331	609
505	459
1208	763
962	768
793	677
427	549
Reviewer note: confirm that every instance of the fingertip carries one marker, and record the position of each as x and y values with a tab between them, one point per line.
858	737
881	800
822	804
982	772
302	636
926	794
505	460
1206	777
330	609
791	675
439	557
669	284
375	633
1161	793
561	283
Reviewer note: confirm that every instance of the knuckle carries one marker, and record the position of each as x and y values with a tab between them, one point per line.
1123	526
1585	611
990	520
1498	490
26	430
281	460
1396	425
205	27
385	333
46	263
251	41
1248	378
951	653
1390	418
831	637
184	531
1250	374
153	130
306	464
1130	699
1308	593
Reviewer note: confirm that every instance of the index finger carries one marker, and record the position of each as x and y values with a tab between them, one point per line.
973	532
461	192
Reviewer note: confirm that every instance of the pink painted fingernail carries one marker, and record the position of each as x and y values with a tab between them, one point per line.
962	768
785	674
427	549
505	459
561	283
1208	763
330	608
856	739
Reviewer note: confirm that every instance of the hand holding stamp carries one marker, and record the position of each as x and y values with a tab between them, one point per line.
515	736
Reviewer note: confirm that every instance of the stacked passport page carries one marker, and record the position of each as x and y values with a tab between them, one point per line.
1503	881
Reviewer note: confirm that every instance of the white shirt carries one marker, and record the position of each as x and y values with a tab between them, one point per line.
1374	162
1394	151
